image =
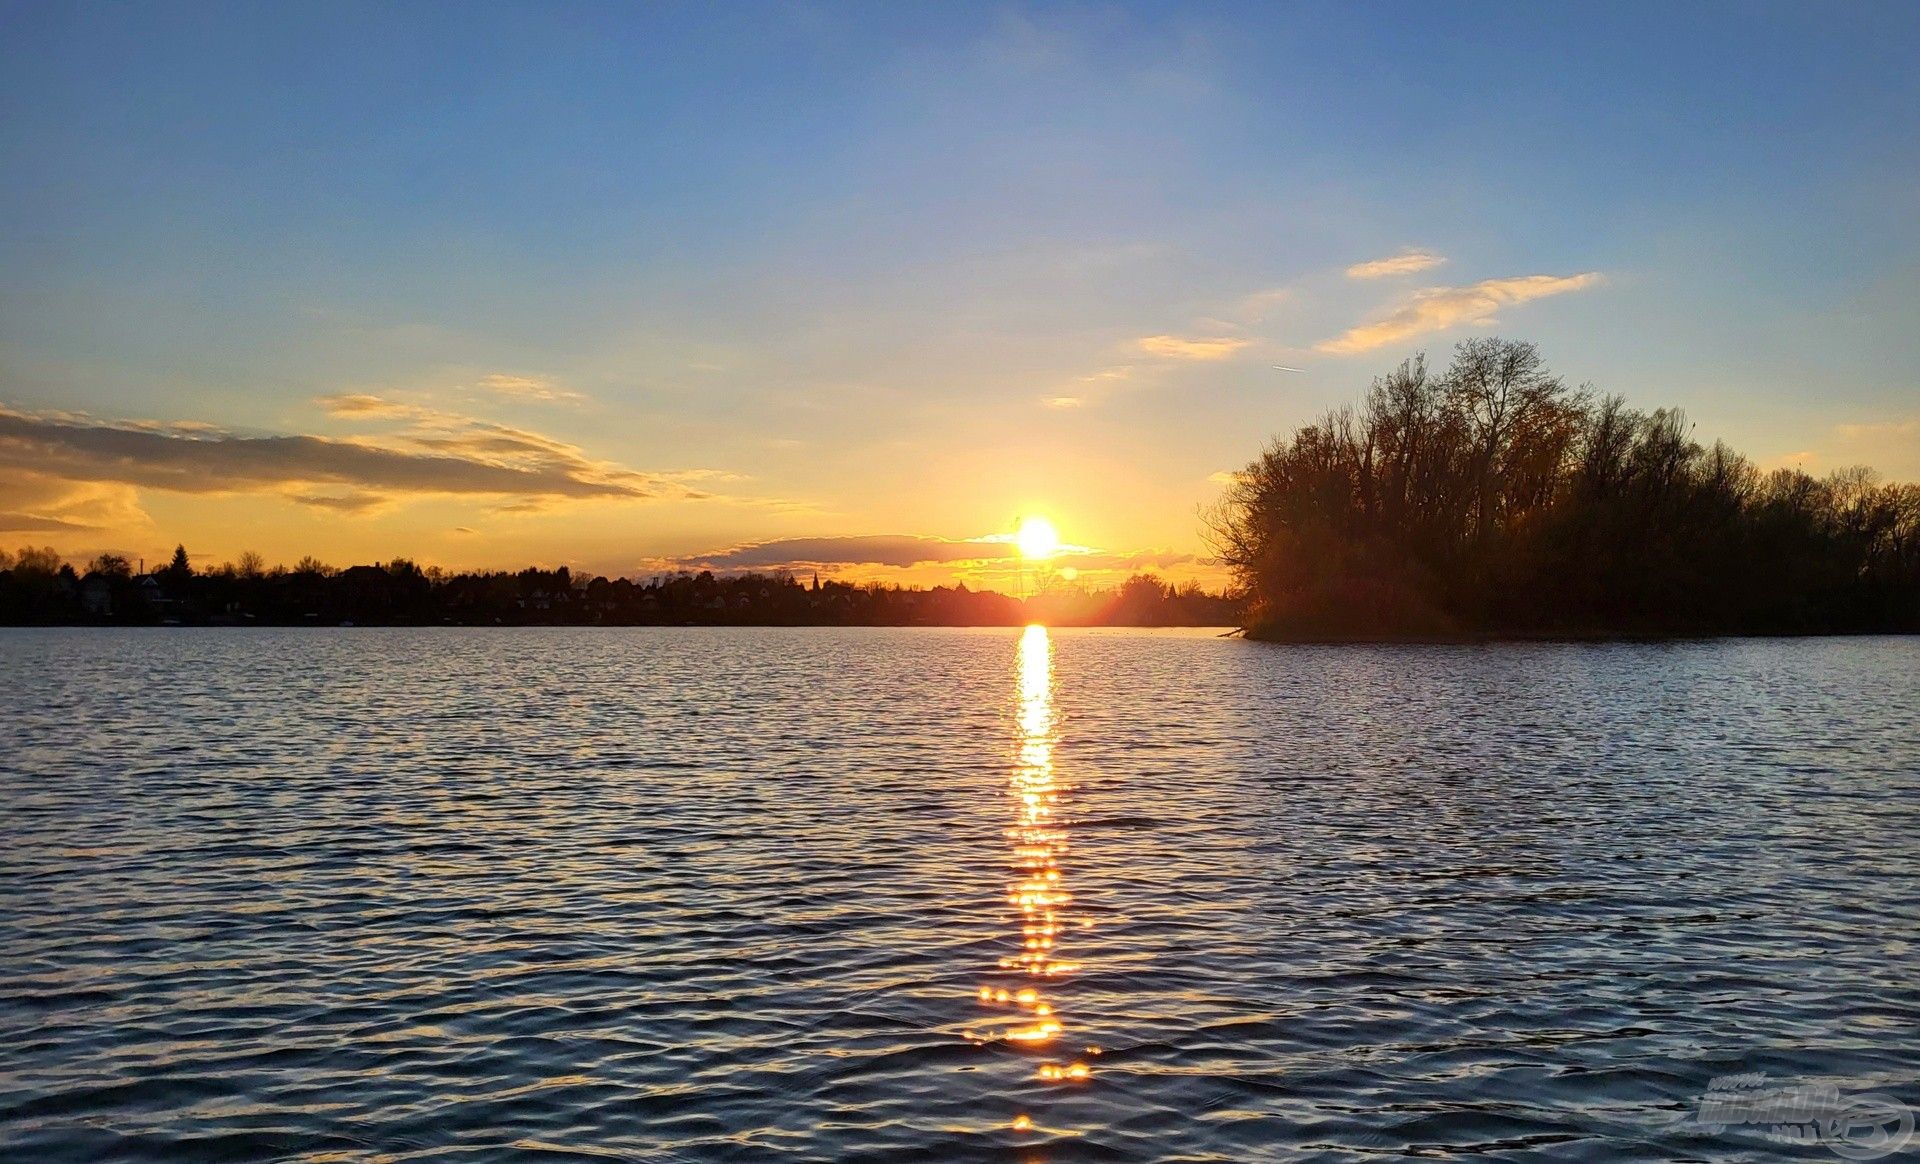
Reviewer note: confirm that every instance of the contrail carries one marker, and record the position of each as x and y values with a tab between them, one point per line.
1284	368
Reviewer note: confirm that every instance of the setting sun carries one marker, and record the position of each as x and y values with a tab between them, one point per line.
1037	538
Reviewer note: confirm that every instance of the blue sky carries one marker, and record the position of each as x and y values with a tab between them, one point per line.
908	270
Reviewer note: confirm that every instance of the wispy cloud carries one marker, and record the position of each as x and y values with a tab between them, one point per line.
1408	262
716	475
1184	348
1260	304
1890	446
1091	388
359	404
1881	430
1439	308
1093	561
537	388
35	501
342	502
28	523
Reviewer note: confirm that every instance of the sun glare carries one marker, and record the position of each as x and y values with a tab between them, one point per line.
1037	538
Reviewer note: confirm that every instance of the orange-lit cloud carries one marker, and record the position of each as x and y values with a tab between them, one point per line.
359	404
1182	348
1407	262
529	388
40	503
1439	308
461	456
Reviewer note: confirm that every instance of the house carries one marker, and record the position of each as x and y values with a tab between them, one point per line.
96	595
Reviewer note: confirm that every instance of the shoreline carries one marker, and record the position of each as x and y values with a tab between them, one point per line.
1489	638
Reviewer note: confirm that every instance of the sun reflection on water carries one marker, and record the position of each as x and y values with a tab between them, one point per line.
1038	840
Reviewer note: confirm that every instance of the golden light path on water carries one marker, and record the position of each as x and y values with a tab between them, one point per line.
1038	839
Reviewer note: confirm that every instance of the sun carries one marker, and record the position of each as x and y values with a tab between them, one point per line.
1037	538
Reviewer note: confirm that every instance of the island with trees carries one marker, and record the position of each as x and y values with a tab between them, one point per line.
1495	500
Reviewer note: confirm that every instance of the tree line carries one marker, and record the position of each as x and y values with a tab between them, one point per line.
38	587
1495	499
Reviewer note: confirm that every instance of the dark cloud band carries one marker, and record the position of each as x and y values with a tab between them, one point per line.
197	462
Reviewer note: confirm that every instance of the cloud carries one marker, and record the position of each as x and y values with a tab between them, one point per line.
358	404
1879	431
1255	307
1439	308
1094	561
1407	262
341	503
27	522
1889	446
901	551
864	549
37	501
460	456
1180	348
703	475
1091	388
365	406
529	388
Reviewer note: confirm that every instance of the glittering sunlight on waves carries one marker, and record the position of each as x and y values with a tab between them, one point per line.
1038	893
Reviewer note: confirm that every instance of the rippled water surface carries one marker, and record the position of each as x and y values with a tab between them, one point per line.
813	894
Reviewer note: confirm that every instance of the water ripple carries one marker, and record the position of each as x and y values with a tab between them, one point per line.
719	894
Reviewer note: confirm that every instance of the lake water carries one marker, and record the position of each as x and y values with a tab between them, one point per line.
942	895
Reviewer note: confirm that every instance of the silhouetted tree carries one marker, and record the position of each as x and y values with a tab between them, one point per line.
1497	499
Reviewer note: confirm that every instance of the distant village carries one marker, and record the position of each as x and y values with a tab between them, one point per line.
37	587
